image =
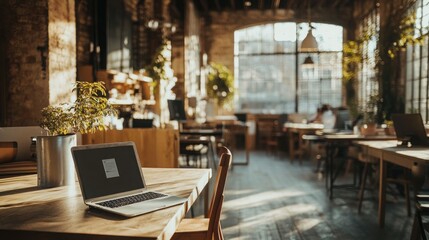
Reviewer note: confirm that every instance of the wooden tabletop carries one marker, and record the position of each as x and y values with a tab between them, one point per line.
388	152
29	212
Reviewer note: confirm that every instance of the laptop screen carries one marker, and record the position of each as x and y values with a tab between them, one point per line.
107	170
409	127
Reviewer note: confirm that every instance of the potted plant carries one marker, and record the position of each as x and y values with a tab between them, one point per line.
389	129
369	126
220	84
86	114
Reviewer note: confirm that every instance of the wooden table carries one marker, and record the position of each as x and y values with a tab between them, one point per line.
388	152
334	141
209	142
234	129
29	212
295	132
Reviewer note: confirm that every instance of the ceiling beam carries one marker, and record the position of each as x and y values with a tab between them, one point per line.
289	4
232	3
205	6
336	3
218	8
275	4
261	4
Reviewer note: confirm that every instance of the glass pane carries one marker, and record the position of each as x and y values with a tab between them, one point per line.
265	71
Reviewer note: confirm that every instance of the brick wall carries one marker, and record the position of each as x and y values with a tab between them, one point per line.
62	50
25	33
220	31
40	53
84	29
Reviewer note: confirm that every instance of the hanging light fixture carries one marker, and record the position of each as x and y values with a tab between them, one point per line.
309	44
308	61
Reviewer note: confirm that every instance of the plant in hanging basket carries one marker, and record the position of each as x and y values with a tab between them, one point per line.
220	84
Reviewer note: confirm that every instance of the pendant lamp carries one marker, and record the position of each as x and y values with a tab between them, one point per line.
308	61
309	44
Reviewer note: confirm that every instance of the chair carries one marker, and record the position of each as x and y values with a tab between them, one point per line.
422	202
195	147
208	228
265	132
368	164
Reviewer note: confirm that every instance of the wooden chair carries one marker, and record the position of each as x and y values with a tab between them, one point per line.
208	228
368	163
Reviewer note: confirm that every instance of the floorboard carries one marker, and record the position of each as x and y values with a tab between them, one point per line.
272	198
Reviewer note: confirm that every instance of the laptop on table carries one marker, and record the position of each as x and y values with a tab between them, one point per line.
409	127
111	179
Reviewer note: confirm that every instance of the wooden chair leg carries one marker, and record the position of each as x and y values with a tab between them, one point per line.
362	185
407	198
422	229
218	233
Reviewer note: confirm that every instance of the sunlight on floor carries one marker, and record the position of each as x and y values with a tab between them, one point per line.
260	199
277	215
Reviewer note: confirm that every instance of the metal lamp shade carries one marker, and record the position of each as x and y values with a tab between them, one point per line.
309	44
308	61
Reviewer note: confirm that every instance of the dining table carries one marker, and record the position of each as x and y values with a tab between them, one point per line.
30	212
336	142
414	158
295	133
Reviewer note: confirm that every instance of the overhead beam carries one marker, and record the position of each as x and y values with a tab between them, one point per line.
275	4
232	3
217	5
205	6
336	3
289	4
261	4
320	4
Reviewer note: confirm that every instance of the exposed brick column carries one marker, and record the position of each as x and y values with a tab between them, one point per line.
40	52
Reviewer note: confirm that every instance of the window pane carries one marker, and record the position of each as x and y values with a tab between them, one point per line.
265	69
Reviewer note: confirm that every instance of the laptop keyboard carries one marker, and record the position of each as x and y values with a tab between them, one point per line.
131	199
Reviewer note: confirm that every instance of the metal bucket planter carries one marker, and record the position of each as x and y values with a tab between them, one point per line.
54	160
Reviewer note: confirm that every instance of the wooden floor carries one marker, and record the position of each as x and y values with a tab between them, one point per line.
272	198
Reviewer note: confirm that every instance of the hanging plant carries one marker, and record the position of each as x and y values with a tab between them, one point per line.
220	84
159	67
396	35
352	58
403	35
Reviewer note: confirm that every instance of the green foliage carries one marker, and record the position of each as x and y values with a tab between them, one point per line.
156	70
85	115
220	84
370	109
396	34
403	35
352	57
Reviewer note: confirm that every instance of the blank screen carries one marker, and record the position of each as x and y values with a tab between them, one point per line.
108	170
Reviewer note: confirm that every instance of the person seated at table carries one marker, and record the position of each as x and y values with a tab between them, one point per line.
322	113
328	117
317	118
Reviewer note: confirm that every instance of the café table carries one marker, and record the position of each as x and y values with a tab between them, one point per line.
388	152
295	131
234	129
194	140
30	212
334	141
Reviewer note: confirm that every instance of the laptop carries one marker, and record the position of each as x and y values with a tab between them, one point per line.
409	128
111	179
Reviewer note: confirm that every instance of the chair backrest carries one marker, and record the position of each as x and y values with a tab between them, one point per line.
217	198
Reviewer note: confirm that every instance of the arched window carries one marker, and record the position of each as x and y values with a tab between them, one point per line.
269	71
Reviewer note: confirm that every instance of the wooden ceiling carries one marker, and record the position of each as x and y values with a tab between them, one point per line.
234	5
328	9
